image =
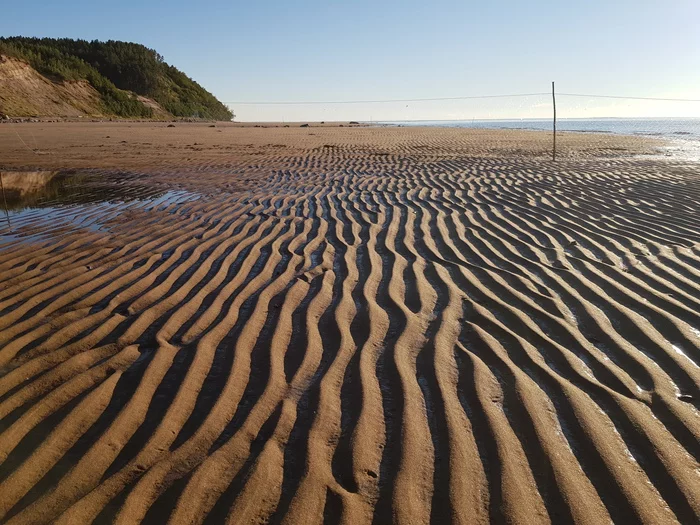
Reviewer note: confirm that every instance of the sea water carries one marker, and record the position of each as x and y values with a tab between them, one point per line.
683	134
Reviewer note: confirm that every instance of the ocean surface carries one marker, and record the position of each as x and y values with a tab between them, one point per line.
683	134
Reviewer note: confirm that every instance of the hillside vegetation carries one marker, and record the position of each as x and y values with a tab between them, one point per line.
118	71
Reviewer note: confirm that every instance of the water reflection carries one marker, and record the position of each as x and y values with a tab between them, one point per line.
40	203
42	189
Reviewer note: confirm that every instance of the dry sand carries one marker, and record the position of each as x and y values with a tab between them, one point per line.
350	325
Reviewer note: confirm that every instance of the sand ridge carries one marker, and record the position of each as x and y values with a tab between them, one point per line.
351	325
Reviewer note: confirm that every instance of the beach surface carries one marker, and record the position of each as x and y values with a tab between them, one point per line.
218	323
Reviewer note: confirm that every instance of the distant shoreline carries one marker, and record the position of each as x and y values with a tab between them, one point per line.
157	146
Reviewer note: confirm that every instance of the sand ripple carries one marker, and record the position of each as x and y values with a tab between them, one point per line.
360	336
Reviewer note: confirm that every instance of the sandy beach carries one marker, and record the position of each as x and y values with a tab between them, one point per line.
223	323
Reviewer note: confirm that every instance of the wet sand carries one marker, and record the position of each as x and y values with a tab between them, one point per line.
251	325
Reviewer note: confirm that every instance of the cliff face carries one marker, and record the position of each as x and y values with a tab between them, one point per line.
66	77
24	92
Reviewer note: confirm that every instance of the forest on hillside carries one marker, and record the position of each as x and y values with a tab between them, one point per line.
115	69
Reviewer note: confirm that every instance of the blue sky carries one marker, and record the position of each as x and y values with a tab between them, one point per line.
368	50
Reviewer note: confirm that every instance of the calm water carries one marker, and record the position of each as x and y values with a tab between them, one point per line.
683	133
37	204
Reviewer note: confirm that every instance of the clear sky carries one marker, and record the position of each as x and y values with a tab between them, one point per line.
329	50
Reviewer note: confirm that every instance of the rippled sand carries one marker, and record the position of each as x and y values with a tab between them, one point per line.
350	325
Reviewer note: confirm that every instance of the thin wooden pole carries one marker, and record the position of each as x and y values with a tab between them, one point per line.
554	126
4	200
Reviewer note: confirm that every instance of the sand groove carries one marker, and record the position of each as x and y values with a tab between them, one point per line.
394	331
